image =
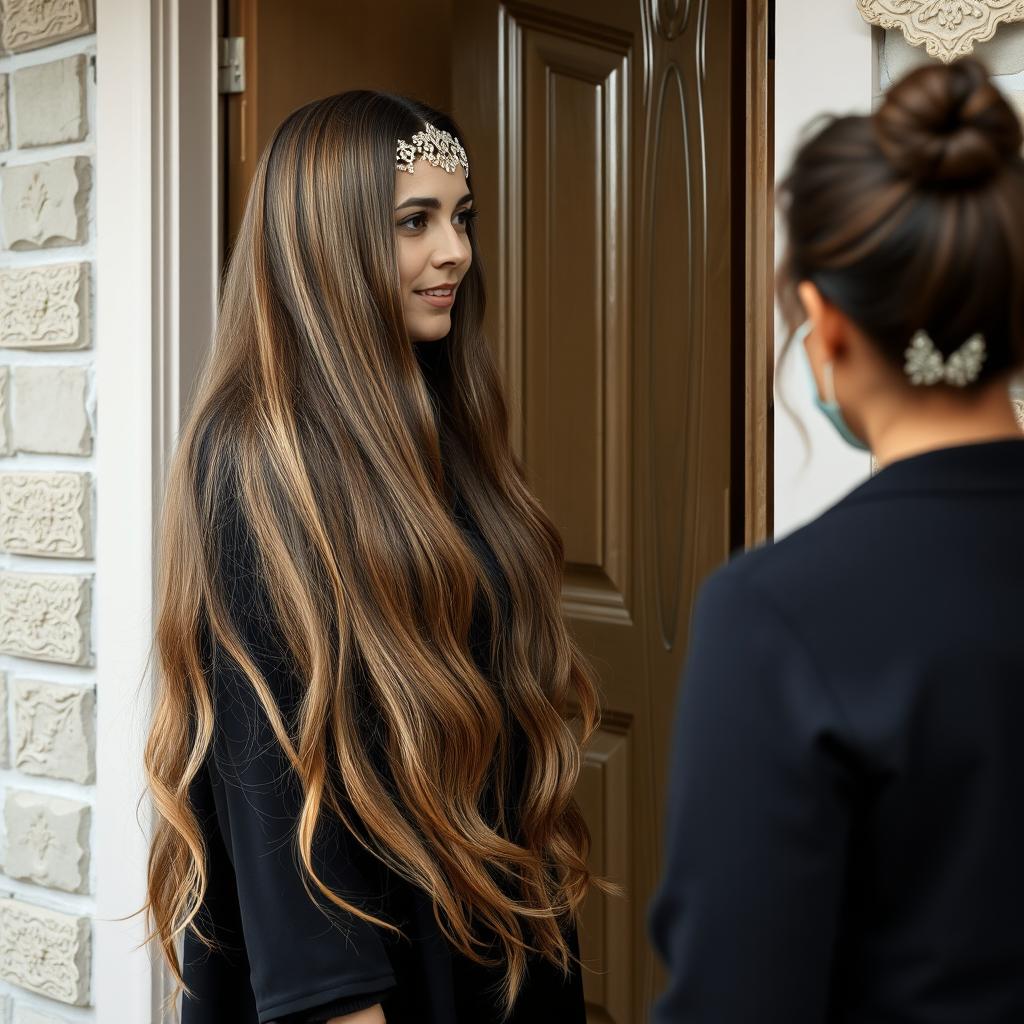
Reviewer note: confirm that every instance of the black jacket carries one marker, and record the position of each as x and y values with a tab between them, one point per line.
845	835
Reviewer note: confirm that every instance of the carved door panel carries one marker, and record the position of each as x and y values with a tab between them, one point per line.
602	155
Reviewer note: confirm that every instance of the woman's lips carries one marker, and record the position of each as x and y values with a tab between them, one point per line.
440	298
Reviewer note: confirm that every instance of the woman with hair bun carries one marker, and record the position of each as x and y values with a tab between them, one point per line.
845	833
370	714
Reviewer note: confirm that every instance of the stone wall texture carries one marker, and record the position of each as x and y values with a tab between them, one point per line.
48	668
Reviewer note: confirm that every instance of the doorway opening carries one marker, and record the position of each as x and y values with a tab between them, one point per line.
621	159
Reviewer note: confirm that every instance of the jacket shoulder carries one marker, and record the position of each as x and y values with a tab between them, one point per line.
847	543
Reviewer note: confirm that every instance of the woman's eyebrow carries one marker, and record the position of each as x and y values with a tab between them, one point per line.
431	202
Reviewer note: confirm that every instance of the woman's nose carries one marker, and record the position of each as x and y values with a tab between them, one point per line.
453	249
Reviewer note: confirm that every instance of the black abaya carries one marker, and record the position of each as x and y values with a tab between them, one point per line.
281	958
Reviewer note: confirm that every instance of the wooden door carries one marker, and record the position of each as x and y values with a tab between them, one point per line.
627	242
303	50
602	138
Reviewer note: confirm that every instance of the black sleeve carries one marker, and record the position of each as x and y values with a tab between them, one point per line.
335	1008
746	917
300	958
218	979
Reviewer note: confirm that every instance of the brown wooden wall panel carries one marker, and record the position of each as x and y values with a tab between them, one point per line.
572	351
605	928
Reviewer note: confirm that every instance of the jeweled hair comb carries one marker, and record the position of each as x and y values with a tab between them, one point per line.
925	364
438	147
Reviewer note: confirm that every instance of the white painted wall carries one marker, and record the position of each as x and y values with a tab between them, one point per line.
824	63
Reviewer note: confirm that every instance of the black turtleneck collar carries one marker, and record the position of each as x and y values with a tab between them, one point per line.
430	355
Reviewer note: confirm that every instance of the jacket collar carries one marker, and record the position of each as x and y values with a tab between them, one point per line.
987	466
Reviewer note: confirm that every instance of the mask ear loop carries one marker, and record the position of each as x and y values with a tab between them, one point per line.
830	383
800	335
827	369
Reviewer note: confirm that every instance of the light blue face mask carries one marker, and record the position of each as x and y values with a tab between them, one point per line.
828	406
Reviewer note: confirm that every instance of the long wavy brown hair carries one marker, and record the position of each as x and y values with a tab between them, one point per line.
313	403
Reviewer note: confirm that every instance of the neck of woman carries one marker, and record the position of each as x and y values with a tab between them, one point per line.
940	418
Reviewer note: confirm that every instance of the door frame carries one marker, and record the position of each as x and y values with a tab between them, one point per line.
157	270
755	385
158	265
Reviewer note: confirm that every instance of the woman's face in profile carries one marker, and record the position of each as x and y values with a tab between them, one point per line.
432	211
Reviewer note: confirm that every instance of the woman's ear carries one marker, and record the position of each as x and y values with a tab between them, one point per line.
831	326
811	300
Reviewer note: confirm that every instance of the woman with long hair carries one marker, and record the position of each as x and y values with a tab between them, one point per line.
370	714
846	810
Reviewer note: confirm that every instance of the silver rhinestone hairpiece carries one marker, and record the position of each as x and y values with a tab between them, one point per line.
925	364
438	147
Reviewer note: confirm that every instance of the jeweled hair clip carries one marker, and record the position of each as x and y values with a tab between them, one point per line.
438	147
925	364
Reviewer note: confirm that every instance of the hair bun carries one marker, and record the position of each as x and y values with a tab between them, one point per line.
947	124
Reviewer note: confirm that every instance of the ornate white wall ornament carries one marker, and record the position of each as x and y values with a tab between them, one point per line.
45	616
948	29
5	124
5	750
45	951
54	732
5	410
47	840
28	24
45	514
45	307
44	204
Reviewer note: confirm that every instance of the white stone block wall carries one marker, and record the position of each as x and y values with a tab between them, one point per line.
48	665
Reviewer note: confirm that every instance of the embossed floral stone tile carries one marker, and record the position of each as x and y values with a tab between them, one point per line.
45	514
5	410
44	204
5	121
45	951
54	730
47	840
45	616
29	24
947	29
45	307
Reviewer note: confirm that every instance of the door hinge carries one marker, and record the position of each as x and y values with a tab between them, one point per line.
231	64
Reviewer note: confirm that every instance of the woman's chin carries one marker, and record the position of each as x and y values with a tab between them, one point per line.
433	330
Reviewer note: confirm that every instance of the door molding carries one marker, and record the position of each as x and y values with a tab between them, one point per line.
759	258
157	264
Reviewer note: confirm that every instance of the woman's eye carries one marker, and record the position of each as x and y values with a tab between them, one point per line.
416	221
